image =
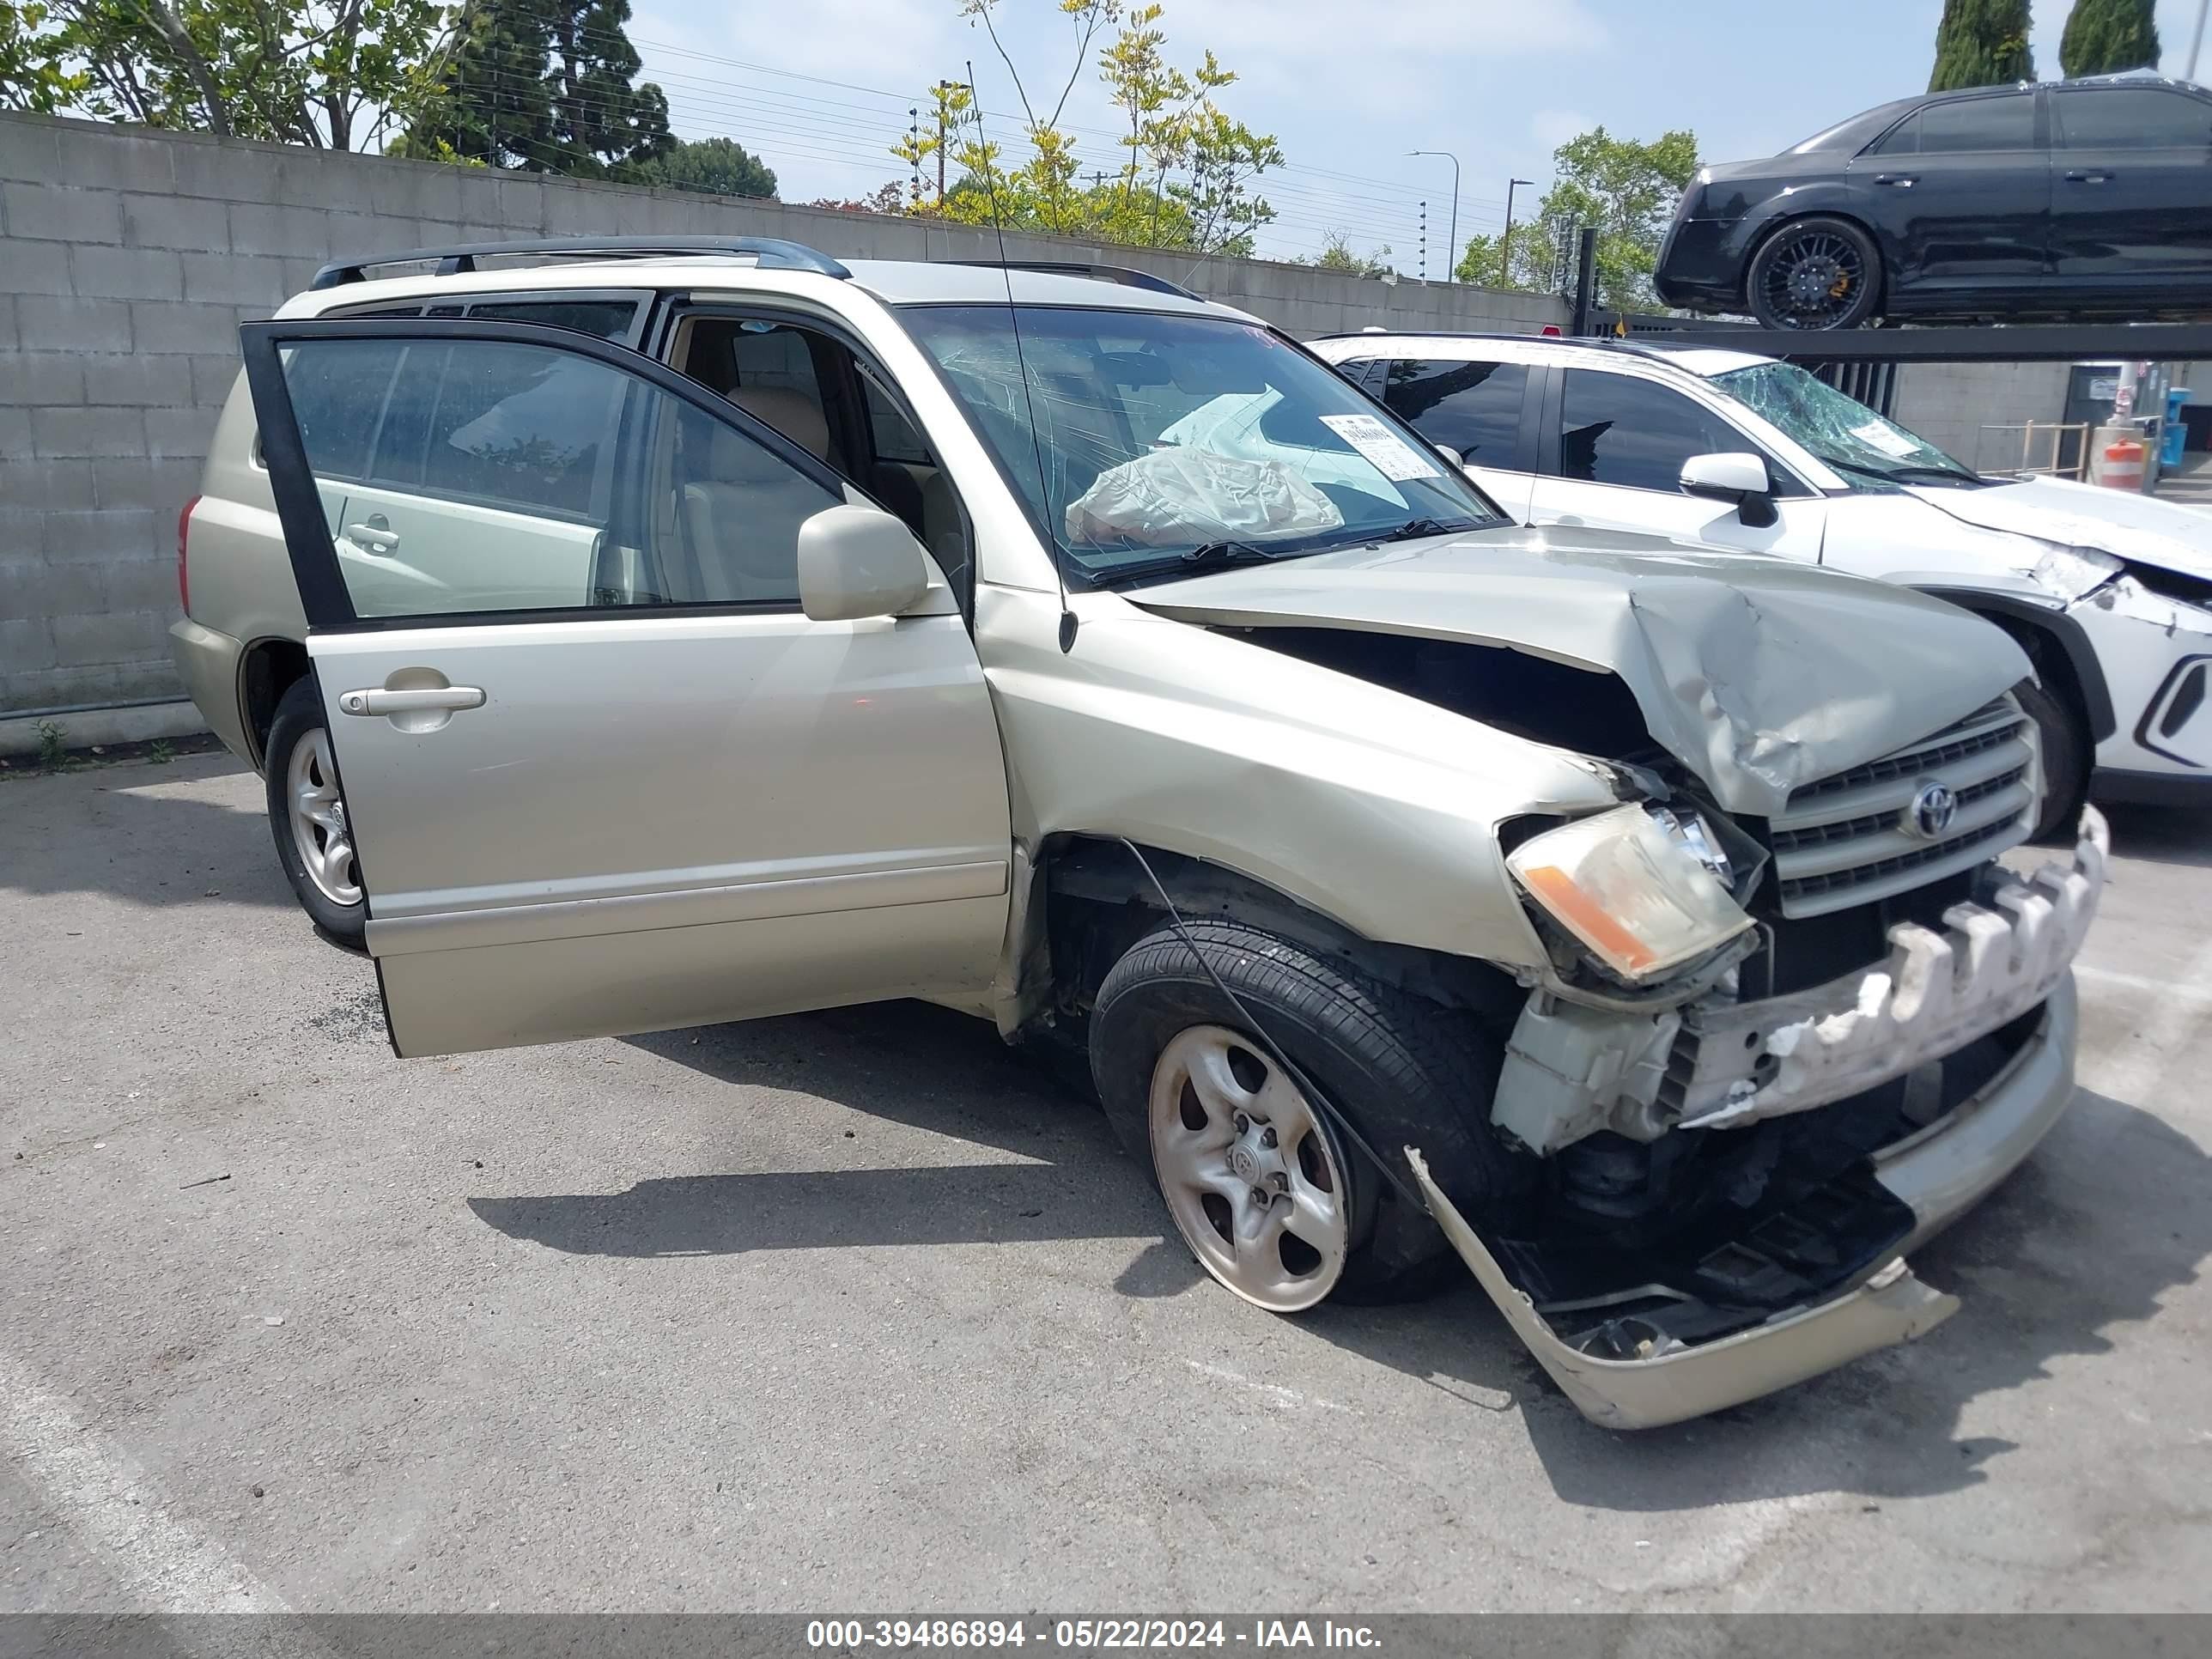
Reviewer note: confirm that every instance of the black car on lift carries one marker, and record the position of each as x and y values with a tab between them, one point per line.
2087	197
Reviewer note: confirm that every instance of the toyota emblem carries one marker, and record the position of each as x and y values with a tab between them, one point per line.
1929	815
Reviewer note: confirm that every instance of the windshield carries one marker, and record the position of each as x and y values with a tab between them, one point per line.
1165	438
1876	453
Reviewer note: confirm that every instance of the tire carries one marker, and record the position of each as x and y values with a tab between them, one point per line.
1802	252
1404	1071
298	754
2064	737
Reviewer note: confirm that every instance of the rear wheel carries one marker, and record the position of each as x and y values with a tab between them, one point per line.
1816	273
307	816
1271	1198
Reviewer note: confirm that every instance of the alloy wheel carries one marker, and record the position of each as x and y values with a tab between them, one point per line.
1251	1175
319	830
1813	280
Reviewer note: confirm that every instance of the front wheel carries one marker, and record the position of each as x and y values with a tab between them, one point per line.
2064	738
1271	1197
307	816
1816	273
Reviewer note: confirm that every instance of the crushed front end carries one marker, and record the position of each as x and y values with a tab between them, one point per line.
1737	1153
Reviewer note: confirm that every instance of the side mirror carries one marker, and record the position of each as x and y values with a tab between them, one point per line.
1734	475
857	562
1458	460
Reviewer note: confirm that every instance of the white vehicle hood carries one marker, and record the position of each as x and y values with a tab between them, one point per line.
2138	528
1758	674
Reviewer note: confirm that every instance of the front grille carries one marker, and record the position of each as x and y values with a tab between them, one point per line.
1842	840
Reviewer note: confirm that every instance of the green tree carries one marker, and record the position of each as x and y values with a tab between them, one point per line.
325	73
1981	43
1626	189
1187	173
2104	37
721	166
31	75
1338	254
548	86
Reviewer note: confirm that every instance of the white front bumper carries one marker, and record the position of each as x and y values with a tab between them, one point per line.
1936	993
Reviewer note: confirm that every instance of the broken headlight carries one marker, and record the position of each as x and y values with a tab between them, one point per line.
1642	888
2068	573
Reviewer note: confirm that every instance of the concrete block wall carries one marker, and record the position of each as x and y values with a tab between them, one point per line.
1956	405
128	257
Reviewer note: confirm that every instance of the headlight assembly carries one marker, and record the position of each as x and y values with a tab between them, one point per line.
1636	887
2068	573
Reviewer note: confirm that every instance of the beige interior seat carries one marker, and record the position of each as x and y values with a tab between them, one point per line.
792	414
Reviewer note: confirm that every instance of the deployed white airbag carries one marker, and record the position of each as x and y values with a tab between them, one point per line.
1177	496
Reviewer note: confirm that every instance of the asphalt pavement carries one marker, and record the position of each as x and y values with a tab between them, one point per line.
860	1311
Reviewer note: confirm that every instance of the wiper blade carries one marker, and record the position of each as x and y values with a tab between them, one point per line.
1414	529
1895	474
1227	553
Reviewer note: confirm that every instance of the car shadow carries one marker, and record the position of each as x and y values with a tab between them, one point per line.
2166	835
126	830
2113	1212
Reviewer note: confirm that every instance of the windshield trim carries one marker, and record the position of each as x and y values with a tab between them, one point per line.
1067	569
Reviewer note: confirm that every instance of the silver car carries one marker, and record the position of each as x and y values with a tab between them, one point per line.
636	638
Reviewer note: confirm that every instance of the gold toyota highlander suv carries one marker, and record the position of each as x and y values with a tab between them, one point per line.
636	635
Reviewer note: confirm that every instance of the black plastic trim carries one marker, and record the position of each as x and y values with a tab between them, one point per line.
2165	687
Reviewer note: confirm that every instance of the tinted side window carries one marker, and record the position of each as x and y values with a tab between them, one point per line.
521	427
1978	124
610	320
2131	118
1474	408
1903	139
508	517
337	400
1363	372
1615	429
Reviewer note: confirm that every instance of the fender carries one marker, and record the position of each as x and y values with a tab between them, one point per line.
2048	622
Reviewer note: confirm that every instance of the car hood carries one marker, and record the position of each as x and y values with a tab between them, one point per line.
2122	523
1758	674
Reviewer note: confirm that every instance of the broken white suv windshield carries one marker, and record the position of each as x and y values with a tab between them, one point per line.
1875	452
1140	439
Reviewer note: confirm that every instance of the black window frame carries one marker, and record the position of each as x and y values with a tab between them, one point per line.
1785	484
2039	128
2059	97
322	595
665	327
1527	438
422	307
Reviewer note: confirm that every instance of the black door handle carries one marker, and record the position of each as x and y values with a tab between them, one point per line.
1898	180
2086	178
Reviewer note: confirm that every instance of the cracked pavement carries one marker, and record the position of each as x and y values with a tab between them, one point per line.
860	1311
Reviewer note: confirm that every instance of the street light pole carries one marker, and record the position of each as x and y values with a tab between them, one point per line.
2197	40
1451	267
1505	243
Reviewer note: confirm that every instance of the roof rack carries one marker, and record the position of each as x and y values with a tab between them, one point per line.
1125	275
772	252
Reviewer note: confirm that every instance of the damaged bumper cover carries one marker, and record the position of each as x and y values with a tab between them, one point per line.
1930	1001
1937	992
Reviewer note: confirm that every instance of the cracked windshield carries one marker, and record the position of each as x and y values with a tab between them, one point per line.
1163	439
1872	452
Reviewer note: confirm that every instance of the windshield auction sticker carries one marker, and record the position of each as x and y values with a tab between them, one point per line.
1393	457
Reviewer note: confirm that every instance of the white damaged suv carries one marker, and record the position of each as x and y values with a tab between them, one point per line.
687	634
2110	593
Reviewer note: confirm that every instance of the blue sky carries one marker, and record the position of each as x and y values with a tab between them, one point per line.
821	87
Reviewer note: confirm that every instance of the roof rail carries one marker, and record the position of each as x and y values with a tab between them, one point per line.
772	252
1127	276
